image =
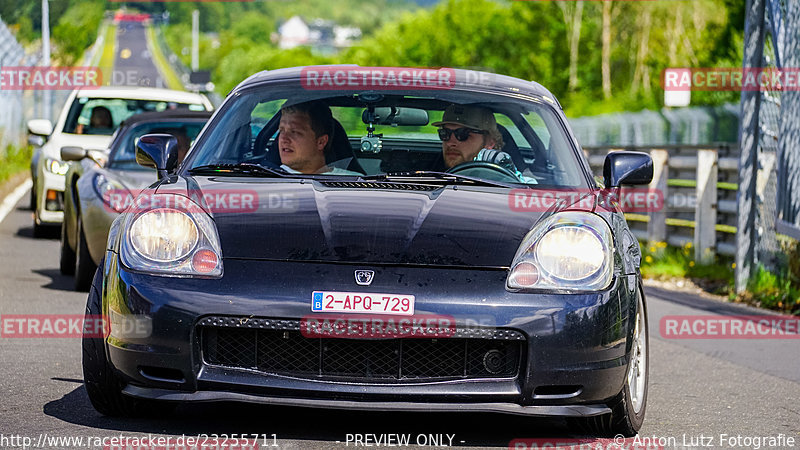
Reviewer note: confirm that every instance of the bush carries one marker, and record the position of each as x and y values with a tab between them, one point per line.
14	160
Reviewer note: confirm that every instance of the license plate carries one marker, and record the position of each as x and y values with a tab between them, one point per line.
362	302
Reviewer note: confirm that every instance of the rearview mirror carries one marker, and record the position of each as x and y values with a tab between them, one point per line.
73	153
394	116
627	168
158	151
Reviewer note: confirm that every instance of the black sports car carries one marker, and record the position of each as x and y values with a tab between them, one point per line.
377	238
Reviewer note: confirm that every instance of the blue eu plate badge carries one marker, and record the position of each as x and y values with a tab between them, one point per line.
316	304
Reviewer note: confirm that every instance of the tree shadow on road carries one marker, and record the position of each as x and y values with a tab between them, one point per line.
329	426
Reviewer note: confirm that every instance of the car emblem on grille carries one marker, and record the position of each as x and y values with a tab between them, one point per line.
364	277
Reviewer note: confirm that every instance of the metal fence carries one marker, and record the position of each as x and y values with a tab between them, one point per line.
670	126
769	163
11	102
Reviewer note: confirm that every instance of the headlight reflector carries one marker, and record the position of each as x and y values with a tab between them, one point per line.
570	252
163	235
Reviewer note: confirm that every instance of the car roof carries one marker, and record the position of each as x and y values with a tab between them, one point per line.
465	79
172	114
142	93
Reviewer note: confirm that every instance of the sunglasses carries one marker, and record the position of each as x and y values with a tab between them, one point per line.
462	134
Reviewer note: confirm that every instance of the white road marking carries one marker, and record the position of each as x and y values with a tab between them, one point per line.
12	198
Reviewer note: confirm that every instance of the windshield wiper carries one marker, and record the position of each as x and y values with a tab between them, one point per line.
433	176
238	168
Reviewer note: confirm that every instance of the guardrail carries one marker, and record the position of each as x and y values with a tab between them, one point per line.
698	185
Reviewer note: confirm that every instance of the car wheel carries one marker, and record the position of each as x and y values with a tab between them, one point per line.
84	266
627	407
67	259
102	384
33	198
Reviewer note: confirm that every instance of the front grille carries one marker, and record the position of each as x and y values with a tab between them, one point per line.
287	352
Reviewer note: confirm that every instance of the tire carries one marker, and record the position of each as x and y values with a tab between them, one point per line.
103	386
67	260
627	407
39	231
84	266
33	198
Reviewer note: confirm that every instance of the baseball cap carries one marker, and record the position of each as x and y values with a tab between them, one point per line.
469	116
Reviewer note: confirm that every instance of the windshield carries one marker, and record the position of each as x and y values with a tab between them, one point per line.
123	149
103	115
513	140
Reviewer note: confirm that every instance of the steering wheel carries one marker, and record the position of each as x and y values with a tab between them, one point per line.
485	170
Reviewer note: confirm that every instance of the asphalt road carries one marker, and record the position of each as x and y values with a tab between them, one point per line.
133	65
697	388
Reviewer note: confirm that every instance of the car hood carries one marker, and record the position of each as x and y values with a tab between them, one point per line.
302	220
52	149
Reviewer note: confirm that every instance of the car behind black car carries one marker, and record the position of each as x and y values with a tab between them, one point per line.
390	279
99	188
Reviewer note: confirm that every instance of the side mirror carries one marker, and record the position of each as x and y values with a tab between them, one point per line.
73	153
627	168
159	151
40	127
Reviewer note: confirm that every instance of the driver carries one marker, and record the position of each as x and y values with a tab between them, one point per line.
469	133
304	137
100	119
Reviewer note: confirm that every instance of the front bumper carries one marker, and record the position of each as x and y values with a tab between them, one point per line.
574	359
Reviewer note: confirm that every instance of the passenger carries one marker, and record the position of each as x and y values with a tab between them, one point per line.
469	133
304	137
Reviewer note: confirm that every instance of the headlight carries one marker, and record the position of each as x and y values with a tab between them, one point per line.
115	197
55	166
164	235
179	239
570	250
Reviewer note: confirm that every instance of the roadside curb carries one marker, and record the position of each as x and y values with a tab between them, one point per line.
711	305
12	190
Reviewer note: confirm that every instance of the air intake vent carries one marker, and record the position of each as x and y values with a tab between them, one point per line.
379	185
278	347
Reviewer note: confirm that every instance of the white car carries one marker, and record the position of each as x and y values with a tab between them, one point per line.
87	120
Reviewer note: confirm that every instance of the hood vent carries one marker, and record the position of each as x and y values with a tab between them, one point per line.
379	185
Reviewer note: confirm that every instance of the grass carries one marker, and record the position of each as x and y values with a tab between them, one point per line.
171	79
14	160
779	292
106	62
